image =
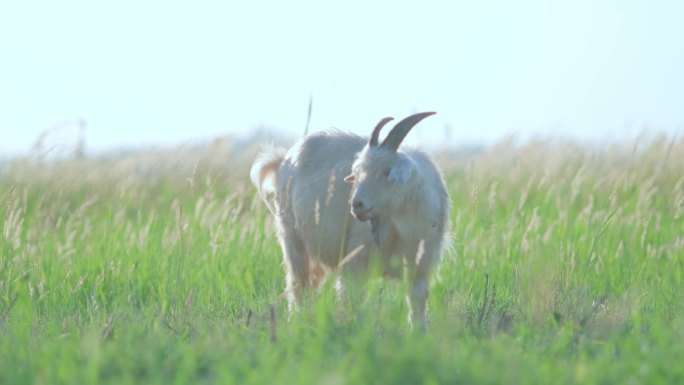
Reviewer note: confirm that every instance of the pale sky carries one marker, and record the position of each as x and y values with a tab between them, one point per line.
165	72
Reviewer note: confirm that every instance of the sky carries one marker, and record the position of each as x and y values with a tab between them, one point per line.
139	73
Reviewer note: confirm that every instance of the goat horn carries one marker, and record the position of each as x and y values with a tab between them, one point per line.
398	133
373	142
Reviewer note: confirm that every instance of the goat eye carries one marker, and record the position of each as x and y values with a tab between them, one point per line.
386	172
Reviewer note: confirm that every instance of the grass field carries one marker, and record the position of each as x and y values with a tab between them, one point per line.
567	266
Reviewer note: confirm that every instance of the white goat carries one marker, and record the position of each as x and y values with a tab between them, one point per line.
398	198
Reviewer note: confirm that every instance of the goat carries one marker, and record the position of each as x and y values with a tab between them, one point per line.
339	198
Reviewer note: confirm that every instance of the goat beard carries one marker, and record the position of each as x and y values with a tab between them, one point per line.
375	229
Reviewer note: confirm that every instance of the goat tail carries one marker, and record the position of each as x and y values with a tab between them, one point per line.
264	171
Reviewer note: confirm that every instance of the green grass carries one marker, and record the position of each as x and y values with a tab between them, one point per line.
567	266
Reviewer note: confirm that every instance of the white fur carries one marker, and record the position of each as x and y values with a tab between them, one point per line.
406	223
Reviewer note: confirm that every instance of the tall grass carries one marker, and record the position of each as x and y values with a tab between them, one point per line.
567	266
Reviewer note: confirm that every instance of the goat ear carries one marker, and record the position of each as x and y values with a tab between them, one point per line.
350	178
401	172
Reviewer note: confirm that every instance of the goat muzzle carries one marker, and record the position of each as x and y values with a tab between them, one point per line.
361	211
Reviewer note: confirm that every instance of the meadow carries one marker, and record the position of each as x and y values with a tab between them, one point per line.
161	267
